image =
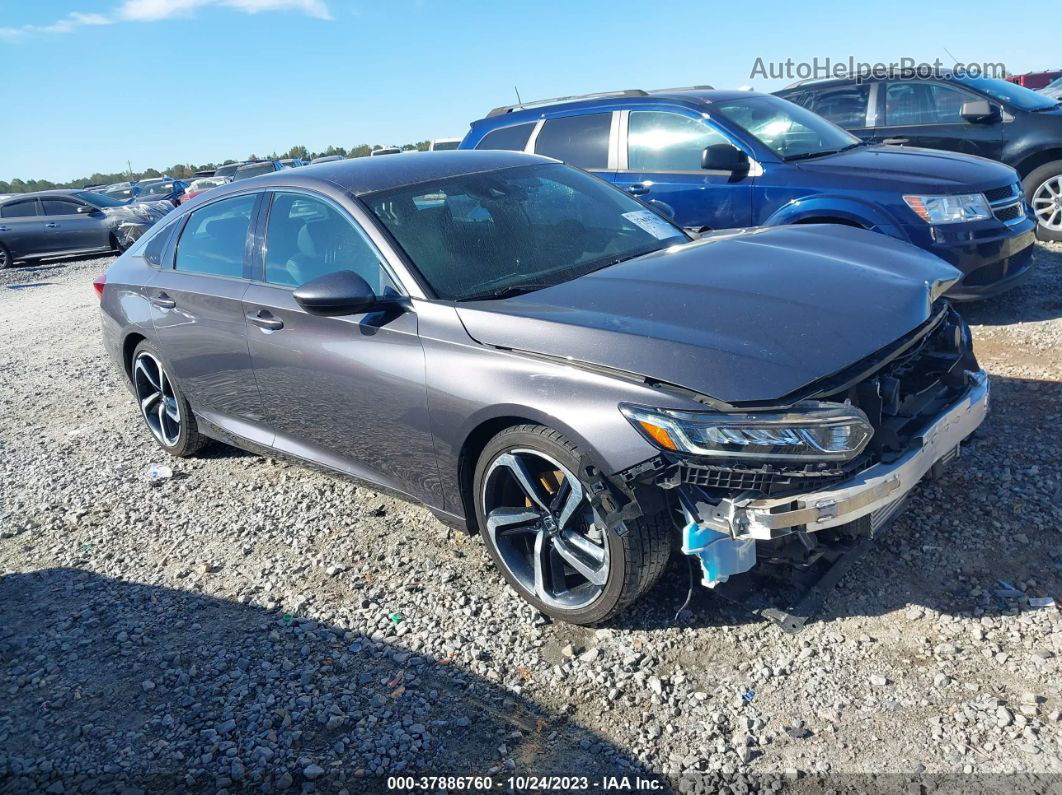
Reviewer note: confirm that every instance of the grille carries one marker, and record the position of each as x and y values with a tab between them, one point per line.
995	194
769	482
1008	213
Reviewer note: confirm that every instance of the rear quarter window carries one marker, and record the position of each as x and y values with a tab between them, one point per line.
512	139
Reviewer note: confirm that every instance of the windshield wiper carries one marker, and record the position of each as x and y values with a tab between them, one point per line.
823	152
510	291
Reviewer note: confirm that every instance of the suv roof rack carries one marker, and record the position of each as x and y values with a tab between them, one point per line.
630	92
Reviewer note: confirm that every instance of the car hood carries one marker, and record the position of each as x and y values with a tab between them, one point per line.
741	317
917	169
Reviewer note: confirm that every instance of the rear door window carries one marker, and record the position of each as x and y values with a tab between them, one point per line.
215	238
577	140
19	209
513	139
845	106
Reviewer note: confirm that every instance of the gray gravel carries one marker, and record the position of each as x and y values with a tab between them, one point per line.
251	624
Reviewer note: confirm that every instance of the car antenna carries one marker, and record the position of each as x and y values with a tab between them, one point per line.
518	100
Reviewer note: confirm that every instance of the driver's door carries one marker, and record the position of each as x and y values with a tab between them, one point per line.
347	392
70	230
663	162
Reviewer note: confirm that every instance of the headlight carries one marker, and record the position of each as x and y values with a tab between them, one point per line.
811	431
950	209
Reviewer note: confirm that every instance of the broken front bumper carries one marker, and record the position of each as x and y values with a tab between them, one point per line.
877	491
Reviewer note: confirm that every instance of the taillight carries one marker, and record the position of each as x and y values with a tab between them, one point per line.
98	284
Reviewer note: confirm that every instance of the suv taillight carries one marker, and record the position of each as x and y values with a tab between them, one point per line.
98	284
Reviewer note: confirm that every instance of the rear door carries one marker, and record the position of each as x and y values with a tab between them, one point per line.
22	228
69	230
197	308
349	391
661	159
926	113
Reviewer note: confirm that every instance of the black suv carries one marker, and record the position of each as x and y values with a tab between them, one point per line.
977	116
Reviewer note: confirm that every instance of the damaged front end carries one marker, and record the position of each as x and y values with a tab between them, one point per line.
760	484
130	221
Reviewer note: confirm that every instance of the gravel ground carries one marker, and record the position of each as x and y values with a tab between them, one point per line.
253	625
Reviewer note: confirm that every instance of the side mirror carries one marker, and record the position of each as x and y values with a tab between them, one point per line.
724	157
980	111
663	208
84	209
339	293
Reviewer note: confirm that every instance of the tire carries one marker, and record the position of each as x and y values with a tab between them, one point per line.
5	258
625	567
172	425
1042	185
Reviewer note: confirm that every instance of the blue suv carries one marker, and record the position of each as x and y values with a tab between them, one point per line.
725	159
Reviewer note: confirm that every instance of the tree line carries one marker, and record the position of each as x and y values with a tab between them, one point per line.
187	170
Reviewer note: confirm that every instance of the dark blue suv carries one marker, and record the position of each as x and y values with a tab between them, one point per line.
724	159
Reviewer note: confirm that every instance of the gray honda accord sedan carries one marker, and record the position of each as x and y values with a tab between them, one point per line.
540	358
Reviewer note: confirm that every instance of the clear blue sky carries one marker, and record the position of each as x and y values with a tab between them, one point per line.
85	86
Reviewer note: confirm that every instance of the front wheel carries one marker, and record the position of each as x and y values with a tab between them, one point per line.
1043	191
5	257
547	540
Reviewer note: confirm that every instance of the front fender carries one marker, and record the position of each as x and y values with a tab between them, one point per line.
825	207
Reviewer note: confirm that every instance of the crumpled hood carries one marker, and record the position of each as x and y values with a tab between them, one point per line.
130	221
931	169
745	317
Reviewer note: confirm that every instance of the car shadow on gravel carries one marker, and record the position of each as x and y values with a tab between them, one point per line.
981	541
110	684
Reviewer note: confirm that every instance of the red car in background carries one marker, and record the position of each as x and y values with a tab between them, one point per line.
1036	80
201	185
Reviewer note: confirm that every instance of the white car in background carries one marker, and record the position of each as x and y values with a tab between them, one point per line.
443	144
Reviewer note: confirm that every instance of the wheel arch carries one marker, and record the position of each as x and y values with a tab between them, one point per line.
486	429
132	339
1033	161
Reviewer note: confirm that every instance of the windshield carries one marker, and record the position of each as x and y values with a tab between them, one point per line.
119	193
1056	83
99	199
253	171
442	146
226	170
1011	93
155	187
788	130
499	233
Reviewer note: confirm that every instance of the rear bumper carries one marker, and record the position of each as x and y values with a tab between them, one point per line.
877	491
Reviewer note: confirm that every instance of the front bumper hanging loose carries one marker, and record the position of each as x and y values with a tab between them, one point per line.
714	532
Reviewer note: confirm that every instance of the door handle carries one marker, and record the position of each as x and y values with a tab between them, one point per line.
163	301
265	320
51	225
637	189
5	228
896	141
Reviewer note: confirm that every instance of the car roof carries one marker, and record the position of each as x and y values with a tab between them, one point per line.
702	95
44	194
361	175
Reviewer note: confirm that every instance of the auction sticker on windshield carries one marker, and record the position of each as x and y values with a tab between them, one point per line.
651	223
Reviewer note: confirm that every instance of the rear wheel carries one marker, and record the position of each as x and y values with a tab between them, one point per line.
163	407
5	257
1043	191
546	538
